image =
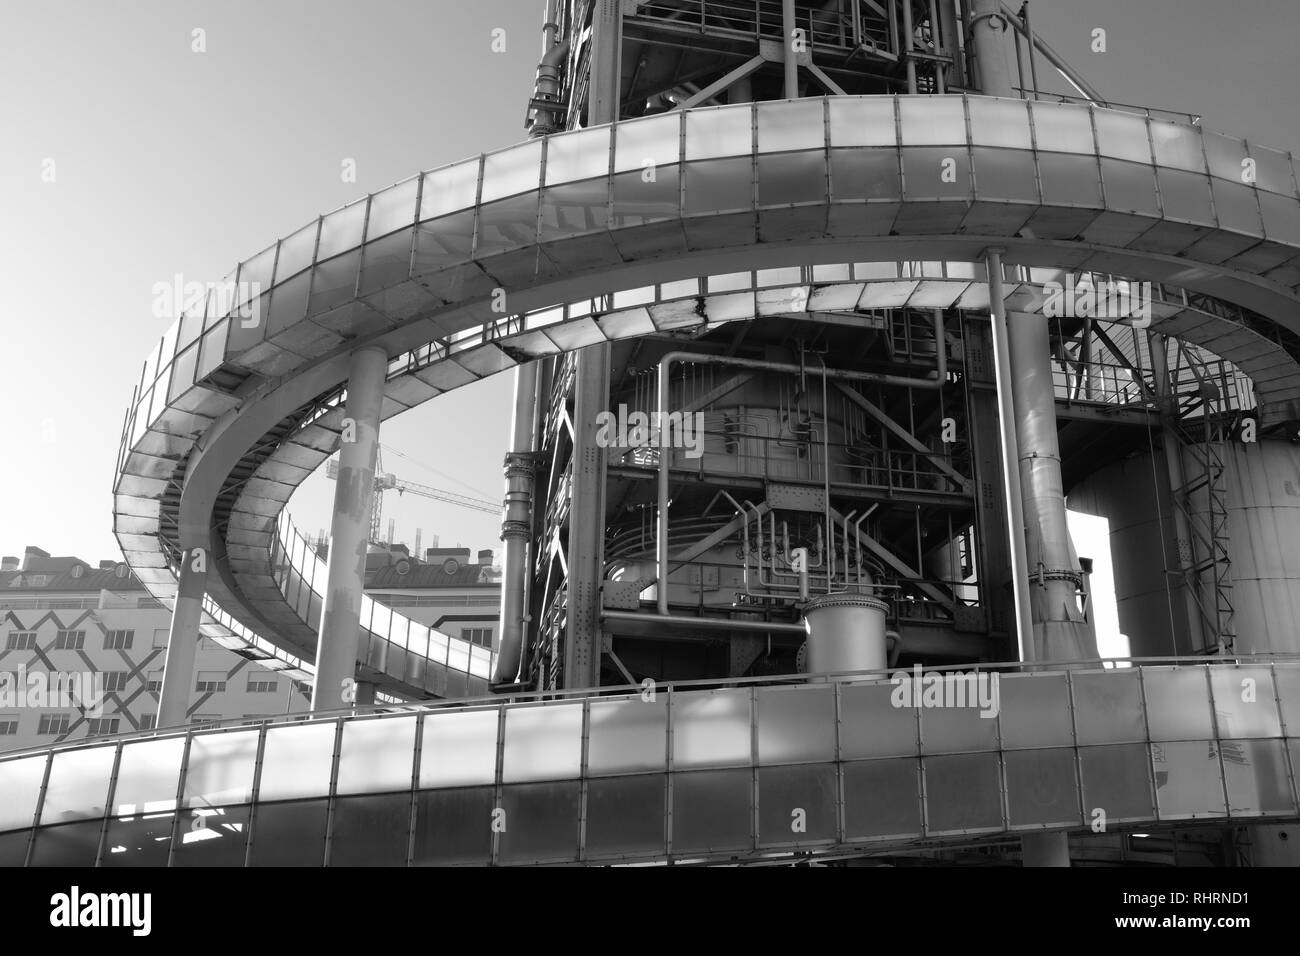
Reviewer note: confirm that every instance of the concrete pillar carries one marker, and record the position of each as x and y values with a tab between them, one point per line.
183	640
336	648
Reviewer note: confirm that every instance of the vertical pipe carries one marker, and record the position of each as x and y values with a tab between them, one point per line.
934	37
988	24
661	530
1033	60
1020	66
952	43
1057	618
791	65
516	524
183	639
907	46
1010	458
336	648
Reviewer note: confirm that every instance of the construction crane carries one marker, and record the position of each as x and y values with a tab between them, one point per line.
385	481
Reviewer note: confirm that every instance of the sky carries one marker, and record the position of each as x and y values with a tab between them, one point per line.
165	160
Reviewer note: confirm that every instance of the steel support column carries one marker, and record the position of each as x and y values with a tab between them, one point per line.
1168	404
340	625
183	640
1010	459
586	550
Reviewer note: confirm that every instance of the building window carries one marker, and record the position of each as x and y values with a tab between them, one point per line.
160	637
102	725
205	720
155	682
210	682
21	641
118	640
114	681
482	636
148	721
69	640
53	724
260	684
8	725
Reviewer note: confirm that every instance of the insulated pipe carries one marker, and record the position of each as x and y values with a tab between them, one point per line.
1174	467
340	624
707	623
1060	631
988	24
516	525
791	64
665	365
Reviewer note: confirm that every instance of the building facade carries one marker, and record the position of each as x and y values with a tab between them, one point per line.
66	622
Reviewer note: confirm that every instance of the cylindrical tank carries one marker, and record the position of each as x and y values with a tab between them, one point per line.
1262	484
846	632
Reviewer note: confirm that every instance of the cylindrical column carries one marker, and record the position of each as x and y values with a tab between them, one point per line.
183	640
988	29
791	65
1010	457
516	525
1059	629
340	625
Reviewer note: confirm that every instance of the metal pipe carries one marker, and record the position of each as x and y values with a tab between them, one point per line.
516	525
791	65
907	46
706	623
988	24
934	39
1071	77
1010	458
1033	60
1058	621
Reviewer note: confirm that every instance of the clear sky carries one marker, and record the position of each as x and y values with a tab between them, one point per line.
166	160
